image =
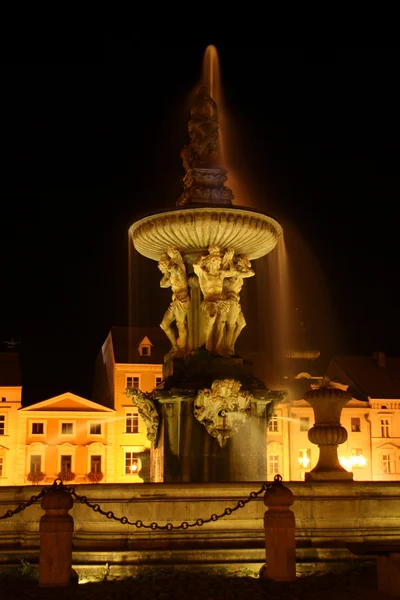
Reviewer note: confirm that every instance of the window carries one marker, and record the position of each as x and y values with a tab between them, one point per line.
357	458
304	458
355	424
273	464
158	381
131	464
66	463
387	463
67	428
2	424
95	464
95	429
273	424
1	466
36	463
132	382
132	422
3	399
37	428
145	350
385	428
304	423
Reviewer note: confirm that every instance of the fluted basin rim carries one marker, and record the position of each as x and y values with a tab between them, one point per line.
192	229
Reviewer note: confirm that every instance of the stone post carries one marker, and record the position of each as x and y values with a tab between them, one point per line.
327	401
280	541
56	527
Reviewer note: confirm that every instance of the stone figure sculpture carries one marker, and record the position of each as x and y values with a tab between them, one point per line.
203	133
174	276
223	409
147	410
235	320
214	308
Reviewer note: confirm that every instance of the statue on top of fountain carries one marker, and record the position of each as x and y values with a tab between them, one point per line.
174	276
204	182
203	127
221	280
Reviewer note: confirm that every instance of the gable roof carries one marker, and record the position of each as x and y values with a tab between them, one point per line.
67	402
126	342
10	369
365	377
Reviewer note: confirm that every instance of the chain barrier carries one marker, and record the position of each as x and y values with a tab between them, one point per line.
24	505
58	484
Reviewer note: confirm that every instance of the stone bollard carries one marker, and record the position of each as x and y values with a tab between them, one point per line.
279	526
56	527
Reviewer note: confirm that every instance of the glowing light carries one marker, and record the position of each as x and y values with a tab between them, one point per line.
304	461
352	461
134	468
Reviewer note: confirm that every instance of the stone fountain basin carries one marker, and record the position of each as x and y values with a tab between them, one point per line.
194	229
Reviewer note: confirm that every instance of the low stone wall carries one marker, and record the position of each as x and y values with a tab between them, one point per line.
328	516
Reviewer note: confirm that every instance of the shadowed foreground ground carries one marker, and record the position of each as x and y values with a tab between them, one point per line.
358	583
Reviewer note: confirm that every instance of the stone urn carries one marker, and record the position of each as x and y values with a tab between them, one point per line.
327	401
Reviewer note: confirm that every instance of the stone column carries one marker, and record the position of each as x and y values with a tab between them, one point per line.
56	527
327	401
280	540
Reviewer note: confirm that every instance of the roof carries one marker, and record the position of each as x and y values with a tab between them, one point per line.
66	402
10	369
368	376
126	341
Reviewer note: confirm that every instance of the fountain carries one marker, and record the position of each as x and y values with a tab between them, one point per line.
212	413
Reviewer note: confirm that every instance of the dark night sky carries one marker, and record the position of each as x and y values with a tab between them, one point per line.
91	142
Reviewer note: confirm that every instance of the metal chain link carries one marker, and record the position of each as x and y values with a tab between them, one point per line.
58	484
24	505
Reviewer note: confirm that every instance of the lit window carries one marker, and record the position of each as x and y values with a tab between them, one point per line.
355	424
1	466
132	423
131	464
132	382
273	464
95	464
304	423
385	428
36	463
387	463
304	457
273	424
37	428
2	424
66	464
67	428
357	459
95	428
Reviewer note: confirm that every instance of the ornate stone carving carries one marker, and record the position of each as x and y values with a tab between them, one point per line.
214	308
235	320
148	411
327	400
194	229
205	186
203	126
204	180
223	409
173	269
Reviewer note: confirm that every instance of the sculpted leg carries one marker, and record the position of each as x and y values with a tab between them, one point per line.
165	325
232	324
240	323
